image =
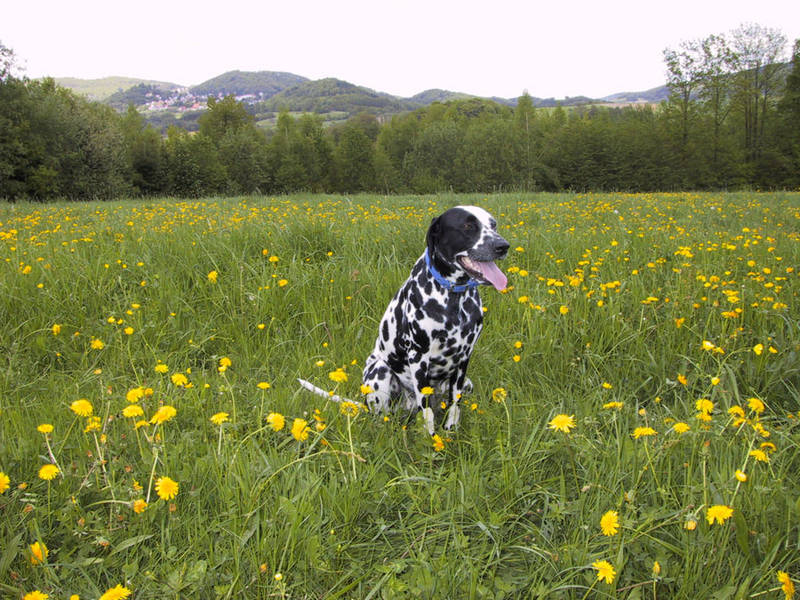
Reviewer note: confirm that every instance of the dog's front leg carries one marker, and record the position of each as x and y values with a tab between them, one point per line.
457	387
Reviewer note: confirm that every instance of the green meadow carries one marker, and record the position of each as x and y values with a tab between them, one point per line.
633	432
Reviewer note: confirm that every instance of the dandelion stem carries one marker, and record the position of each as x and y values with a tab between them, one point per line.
152	473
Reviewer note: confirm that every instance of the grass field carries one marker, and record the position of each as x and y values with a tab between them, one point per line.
633	432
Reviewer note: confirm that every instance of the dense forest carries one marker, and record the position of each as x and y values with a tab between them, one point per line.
732	121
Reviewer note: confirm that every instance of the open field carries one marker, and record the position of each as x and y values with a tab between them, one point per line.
636	411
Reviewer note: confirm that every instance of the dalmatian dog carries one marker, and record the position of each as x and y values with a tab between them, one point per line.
427	334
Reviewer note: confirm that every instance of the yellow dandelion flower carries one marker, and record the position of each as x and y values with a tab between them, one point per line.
704	405
139	506
339	376
132	411
517	358
690	525
161	368
118	592
97	344
276	421
134	395
283	282
615	404
365	389
563	309
740	475
92	424
263	385
45	428
219	418
787	585
349	409
212	276
300	429
56	329
5	482
759	455
48	472
609	523
163	414
166	488
426	391
35	595
719	513
708	346
179	379
82	407
438	443
643	432
605	571
39	553
758	349
768	446
681	427
499	394
756	405
562	423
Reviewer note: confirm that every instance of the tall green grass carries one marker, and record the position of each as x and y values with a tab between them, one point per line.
610	301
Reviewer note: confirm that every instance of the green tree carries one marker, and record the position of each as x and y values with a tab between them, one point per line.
353	157
224	116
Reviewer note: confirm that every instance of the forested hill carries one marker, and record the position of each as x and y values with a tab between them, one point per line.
264	84
329	95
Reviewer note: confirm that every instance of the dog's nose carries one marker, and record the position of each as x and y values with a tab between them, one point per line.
501	246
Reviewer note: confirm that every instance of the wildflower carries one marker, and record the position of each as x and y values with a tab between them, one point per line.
758	349
606	386
35	595
45	428
224	363
219	418
682	379
708	346
278	576
263	385
365	389
517	358
134	395
132	411
605	571
161	368
562	423
718	513
681	427
276	421
179	379
212	276
97	344
166	488
656	568
715	381
740	475
163	414
5	482
690	525
349	409
499	394
438	443
48	472
39	552
118	592
426	391
139	506
300	430
759	455
679	322
787	585
283	282
82	407
339	376
768	446
563	309
609	523
614	404
756	405
643	432
704	405
56	329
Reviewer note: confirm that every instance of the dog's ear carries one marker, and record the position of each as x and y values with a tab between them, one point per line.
433	235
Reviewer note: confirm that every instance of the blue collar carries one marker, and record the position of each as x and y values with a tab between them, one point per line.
449	285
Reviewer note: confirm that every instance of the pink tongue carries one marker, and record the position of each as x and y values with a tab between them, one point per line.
492	274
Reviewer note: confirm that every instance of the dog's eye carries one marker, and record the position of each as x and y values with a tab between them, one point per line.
468	226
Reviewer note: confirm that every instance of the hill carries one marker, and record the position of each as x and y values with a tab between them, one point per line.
260	84
102	89
334	95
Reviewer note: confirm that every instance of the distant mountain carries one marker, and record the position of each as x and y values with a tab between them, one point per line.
334	95
261	84
101	89
436	95
654	95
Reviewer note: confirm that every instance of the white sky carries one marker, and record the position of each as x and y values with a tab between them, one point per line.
555	48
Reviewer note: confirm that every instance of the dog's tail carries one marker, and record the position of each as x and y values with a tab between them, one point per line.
333	397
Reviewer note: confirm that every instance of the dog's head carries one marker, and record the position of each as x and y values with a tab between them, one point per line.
463	243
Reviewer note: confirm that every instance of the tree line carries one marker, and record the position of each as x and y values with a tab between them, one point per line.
732	121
